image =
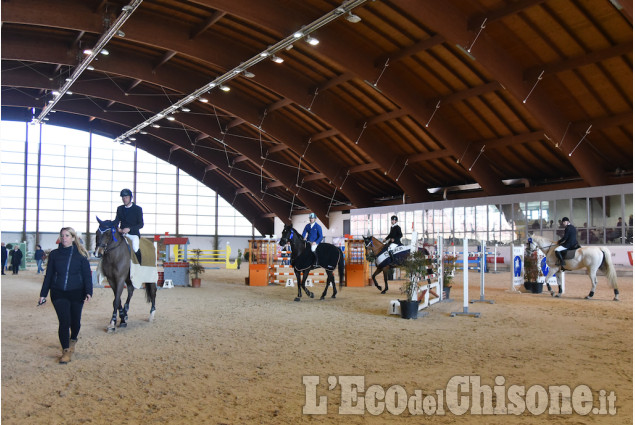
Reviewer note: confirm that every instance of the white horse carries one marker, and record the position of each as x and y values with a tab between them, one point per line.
591	257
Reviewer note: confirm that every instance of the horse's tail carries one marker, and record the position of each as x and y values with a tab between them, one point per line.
340	267
150	287
608	268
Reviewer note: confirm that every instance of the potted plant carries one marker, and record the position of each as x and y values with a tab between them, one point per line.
449	266
196	268
239	259
416	268
532	271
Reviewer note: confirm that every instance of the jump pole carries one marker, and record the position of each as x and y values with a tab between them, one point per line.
465	311
482	299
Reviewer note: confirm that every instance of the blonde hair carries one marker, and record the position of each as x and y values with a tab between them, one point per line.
79	246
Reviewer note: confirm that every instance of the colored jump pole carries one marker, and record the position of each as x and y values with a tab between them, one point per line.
465	311
482	299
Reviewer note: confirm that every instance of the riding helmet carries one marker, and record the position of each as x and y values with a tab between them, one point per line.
312	215
394	217
126	192
565	219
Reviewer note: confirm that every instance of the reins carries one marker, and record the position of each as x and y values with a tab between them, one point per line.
114	242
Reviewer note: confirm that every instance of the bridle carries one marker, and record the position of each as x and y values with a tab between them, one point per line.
532	242
105	246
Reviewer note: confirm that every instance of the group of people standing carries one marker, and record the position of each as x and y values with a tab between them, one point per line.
14	257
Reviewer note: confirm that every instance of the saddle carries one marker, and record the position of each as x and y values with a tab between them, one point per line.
570	253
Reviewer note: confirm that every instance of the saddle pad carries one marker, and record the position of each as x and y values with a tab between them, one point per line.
142	274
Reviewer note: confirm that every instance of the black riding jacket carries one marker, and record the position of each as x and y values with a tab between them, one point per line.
570	238
67	270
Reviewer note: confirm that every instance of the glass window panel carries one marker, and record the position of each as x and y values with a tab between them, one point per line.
613	205
481	222
454	225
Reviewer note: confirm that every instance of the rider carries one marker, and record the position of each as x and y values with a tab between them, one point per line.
394	237
568	241
130	216
313	233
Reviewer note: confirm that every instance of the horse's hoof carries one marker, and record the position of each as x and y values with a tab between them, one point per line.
558	295
553	294
616	299
322	298
311	295
378	287
123	325
110	330
333	296
296	299
384	291
151	319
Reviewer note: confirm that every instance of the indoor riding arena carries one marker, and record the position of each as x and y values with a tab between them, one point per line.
329	212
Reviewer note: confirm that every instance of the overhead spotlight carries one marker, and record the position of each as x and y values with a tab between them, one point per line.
202	99
133	138
121	33
298	34
143	132
184	109
69	92
171	118
126	8
68	79
104	52
289	47
211	85
90	68
351	17
264	54
88	51
249	74
312	41
277	59
156	126
225	88
55	93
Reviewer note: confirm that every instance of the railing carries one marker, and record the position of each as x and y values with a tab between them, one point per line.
208	256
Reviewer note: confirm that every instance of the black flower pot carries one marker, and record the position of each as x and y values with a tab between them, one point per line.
409	309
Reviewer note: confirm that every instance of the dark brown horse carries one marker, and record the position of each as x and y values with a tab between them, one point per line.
375	246
114	251
303	261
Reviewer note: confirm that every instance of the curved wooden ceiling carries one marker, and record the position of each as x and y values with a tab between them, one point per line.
387	110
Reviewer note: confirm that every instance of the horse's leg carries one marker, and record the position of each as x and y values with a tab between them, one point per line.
559	294
151	295
385	270
305	275
375	280
299	280
117	288
594	282
549	275
123	312
329	280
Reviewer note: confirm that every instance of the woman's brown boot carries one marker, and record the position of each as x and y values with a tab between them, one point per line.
72	347
66	356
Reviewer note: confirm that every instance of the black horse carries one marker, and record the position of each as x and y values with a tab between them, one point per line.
114	251
303	261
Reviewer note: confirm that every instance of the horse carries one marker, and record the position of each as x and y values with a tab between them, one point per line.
591	257
375	246
303	261
114	251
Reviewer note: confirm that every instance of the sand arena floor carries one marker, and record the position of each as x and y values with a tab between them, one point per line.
227	353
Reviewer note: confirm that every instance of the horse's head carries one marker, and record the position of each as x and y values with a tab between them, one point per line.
368	241
287	235
105	235
535	242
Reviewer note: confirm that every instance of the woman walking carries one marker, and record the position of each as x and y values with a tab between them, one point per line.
69	279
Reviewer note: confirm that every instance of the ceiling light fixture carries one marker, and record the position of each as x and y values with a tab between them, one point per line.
156	126
270	51
104	52
88	51
351	17
89	67
85	63
171	118
225	88
184	109
121	33
312	41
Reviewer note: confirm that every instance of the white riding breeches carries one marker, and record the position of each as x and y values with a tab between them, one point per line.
392	247
134	240
313	246
560	248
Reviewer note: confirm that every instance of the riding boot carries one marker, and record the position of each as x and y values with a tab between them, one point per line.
316	259
66	356
560	259
392	256
138	254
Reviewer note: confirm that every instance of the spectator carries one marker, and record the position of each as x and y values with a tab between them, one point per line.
39	257
5	255
16	259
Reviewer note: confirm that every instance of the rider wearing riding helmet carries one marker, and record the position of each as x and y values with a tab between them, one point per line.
130	216
394	237
568	241
313	233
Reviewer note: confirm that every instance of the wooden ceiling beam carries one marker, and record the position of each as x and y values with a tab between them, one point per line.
512	8
216	16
